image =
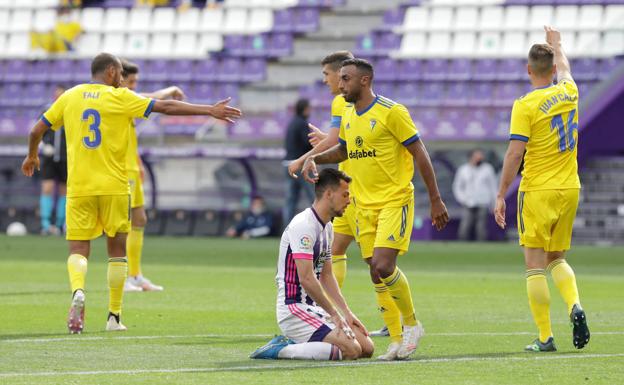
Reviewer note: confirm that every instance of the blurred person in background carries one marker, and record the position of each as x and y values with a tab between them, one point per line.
257	223
61	37
475	189
297	144
53	174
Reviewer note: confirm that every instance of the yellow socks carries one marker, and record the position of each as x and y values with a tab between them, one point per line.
77	268
134	248
564	278
539	301
339	267
117	271
399	290
389	312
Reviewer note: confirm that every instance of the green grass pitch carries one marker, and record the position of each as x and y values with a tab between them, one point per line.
219	305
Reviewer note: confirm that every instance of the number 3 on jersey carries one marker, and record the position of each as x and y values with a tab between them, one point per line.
94	139
565	132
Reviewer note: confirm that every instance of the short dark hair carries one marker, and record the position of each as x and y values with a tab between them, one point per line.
541	59
301	106
101	62
329	178
335	59
128	68
362	65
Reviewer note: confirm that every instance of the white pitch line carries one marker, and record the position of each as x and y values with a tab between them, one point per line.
309	365
182	336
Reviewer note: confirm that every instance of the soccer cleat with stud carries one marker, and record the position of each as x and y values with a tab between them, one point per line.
538	346
271	350
411	338
75	319
391	353
580	331
114	323
383	332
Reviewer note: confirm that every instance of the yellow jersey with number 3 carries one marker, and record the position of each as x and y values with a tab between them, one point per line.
337	109
96	117
381	167
547	120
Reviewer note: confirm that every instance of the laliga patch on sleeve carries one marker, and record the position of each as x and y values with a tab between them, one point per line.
306	243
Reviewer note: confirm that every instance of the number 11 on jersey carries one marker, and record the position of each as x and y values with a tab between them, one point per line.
565	131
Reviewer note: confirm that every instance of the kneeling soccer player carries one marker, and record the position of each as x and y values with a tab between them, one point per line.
311	312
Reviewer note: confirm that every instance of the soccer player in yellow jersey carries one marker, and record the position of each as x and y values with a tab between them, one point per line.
544	123
381	143
134	244
344	227
95	116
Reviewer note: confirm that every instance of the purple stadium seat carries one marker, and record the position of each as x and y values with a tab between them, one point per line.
505	93
408	93
410	69
457	94
392	18
156	70
606	66
584	69
305	20
283	20
386	89
435	69
584	88
512	69
432	94
484	69
479	123
386	70
386	42
205	70
38	71
11	95
230	70
481	94
280	44
257	46
118	3
61	70
254	70
35	95
459	70
427	120
15	71
181	70
82	71
235	44
227	90
203	93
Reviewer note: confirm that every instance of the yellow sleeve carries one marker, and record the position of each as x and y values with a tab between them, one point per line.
53	117
570	87
520	126
337	108
137	106
401	125
342	138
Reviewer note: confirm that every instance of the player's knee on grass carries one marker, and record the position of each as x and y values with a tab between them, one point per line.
351	349
368	347
139	217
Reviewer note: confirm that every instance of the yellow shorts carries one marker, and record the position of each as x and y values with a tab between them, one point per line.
545	218
137	198
88	216
346	223
389	227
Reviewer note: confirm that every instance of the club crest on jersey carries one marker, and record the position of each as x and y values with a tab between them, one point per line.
359	141
305	242
373	122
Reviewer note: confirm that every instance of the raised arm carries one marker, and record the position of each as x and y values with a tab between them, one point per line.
439	214
553	37
31	162
219	110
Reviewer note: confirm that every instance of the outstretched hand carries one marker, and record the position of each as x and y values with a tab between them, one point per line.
222	111
315	136
553	36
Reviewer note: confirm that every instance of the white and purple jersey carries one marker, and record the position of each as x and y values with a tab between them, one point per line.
305	238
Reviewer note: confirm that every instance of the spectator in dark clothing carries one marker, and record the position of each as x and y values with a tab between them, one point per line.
53	175
257	223
297	144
